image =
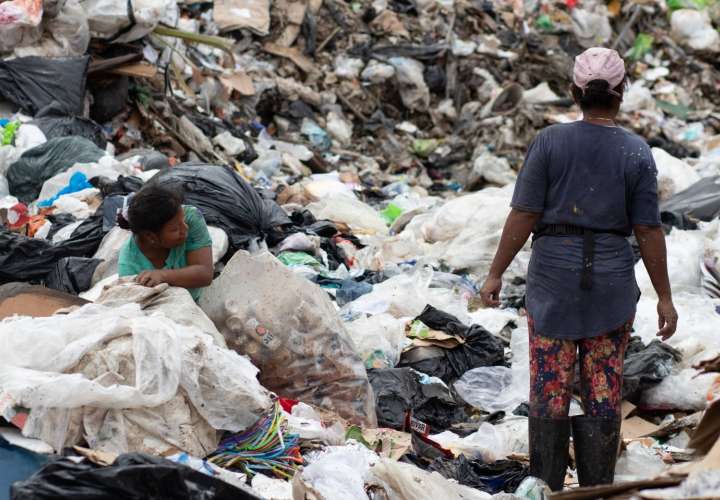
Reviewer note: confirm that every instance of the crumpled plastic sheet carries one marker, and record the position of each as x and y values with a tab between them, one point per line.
97	371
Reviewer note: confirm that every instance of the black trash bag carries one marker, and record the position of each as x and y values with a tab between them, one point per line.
133	476
399	396
30	259
501	476
227	201
699	202
35	82
58	222
54	122
481	348
150	159
72	274
27	175
646	366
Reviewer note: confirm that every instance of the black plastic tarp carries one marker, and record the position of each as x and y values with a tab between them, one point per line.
481	348
35	82
30	259
133	476
227	201
28	173
699	202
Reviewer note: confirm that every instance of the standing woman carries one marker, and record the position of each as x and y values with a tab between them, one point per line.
583	189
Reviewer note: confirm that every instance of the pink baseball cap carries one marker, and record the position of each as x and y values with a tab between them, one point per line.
599	63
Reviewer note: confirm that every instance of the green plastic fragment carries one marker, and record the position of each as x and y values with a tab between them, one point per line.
391	213
643	44
8	132
424	147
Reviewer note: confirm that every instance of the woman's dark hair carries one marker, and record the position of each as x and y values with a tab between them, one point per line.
151	208
597	95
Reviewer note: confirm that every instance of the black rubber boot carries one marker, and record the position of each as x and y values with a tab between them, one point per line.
596	441
549	439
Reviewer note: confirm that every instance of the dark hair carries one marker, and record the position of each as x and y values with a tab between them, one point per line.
151	208
597	95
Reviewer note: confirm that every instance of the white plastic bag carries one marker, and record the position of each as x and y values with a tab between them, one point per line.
682	391
674	175
411	82
693	28
124	380
19	21
361	218
107	18
403	481
490	388
378	339
638	462
339	472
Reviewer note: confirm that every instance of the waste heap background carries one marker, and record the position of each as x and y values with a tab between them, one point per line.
354	161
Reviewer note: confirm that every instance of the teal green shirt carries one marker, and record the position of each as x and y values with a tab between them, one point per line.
132	261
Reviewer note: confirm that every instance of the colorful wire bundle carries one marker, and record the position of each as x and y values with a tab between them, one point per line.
266	446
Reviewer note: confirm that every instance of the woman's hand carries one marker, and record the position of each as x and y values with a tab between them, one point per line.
151	278
667	318
490	292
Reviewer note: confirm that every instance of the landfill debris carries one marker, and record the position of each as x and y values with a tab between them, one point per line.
354	162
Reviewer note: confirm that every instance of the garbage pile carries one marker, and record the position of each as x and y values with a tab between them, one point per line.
354	162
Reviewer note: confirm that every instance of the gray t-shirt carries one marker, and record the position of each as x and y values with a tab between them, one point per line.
597	177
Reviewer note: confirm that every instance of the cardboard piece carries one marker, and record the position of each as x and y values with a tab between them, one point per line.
292	53
609	491
102	458
294	15
708	430
239	82
232	15
636	427
137	70
36	301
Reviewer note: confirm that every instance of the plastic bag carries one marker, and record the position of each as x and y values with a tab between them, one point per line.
479	349
411	82
66	34
638	462
701	201
19	20
112	20
495	477
674	175
290	329
361	218
28	174
96	371
694	29
339	472
685	390
378	339
29	259
226	200
403	295
54	122
646	366
400	392
35	82
685	251
72	275
490	388
403	481
131	476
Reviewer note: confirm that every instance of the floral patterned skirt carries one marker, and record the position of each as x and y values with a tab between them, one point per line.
552	372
